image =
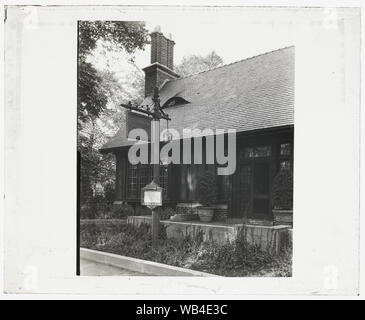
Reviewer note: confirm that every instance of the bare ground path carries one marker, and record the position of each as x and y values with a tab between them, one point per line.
90	268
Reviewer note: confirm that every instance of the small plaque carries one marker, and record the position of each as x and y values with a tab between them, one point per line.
151	196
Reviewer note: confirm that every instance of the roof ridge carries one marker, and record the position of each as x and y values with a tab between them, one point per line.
229	64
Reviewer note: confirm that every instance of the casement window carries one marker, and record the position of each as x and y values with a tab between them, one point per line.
138	176
132	184
164	180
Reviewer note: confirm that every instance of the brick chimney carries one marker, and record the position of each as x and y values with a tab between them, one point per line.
162	61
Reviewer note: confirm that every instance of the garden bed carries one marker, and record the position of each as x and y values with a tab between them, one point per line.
229	259
112	222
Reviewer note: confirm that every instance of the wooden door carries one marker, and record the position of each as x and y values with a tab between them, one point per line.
251	190
241	191
260	191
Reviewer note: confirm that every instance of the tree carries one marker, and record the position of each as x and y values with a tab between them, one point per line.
192	64
100	93
120	35
114	35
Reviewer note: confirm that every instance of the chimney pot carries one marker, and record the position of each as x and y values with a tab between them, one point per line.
162	61
162	49
157	29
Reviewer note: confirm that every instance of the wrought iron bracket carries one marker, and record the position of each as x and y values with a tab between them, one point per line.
157	113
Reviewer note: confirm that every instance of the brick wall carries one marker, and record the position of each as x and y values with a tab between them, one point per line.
155	75
162	50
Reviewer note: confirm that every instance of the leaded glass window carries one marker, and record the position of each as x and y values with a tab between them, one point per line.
140	175
285	156
132	188
256	152
285	164
285	149
164	179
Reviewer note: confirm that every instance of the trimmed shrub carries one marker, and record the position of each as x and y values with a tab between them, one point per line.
142	211
166	213
121	211
109	193
282	190
207	188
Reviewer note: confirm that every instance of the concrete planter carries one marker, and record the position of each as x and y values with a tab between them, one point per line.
187	208
206	214
283	217
266	237
184	217
220	212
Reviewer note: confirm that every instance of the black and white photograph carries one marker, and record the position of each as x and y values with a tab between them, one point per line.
169	151
219	198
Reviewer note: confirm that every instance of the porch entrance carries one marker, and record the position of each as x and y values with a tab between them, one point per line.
251	196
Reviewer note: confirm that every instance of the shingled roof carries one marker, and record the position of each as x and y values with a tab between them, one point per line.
251	94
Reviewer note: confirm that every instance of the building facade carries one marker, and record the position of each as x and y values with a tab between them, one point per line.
254	96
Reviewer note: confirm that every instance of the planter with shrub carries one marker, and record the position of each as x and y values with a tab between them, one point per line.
282	194
207	194
186	212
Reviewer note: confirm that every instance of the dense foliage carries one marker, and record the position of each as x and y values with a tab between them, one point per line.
283	190
101	207
192	64
229	259
125	36
207	188
99	94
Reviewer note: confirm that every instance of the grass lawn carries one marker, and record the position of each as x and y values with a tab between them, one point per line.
237	259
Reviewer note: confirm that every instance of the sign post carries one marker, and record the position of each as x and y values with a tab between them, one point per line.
152	193
155	146
152	198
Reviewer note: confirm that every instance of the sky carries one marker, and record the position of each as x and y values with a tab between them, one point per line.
234	34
